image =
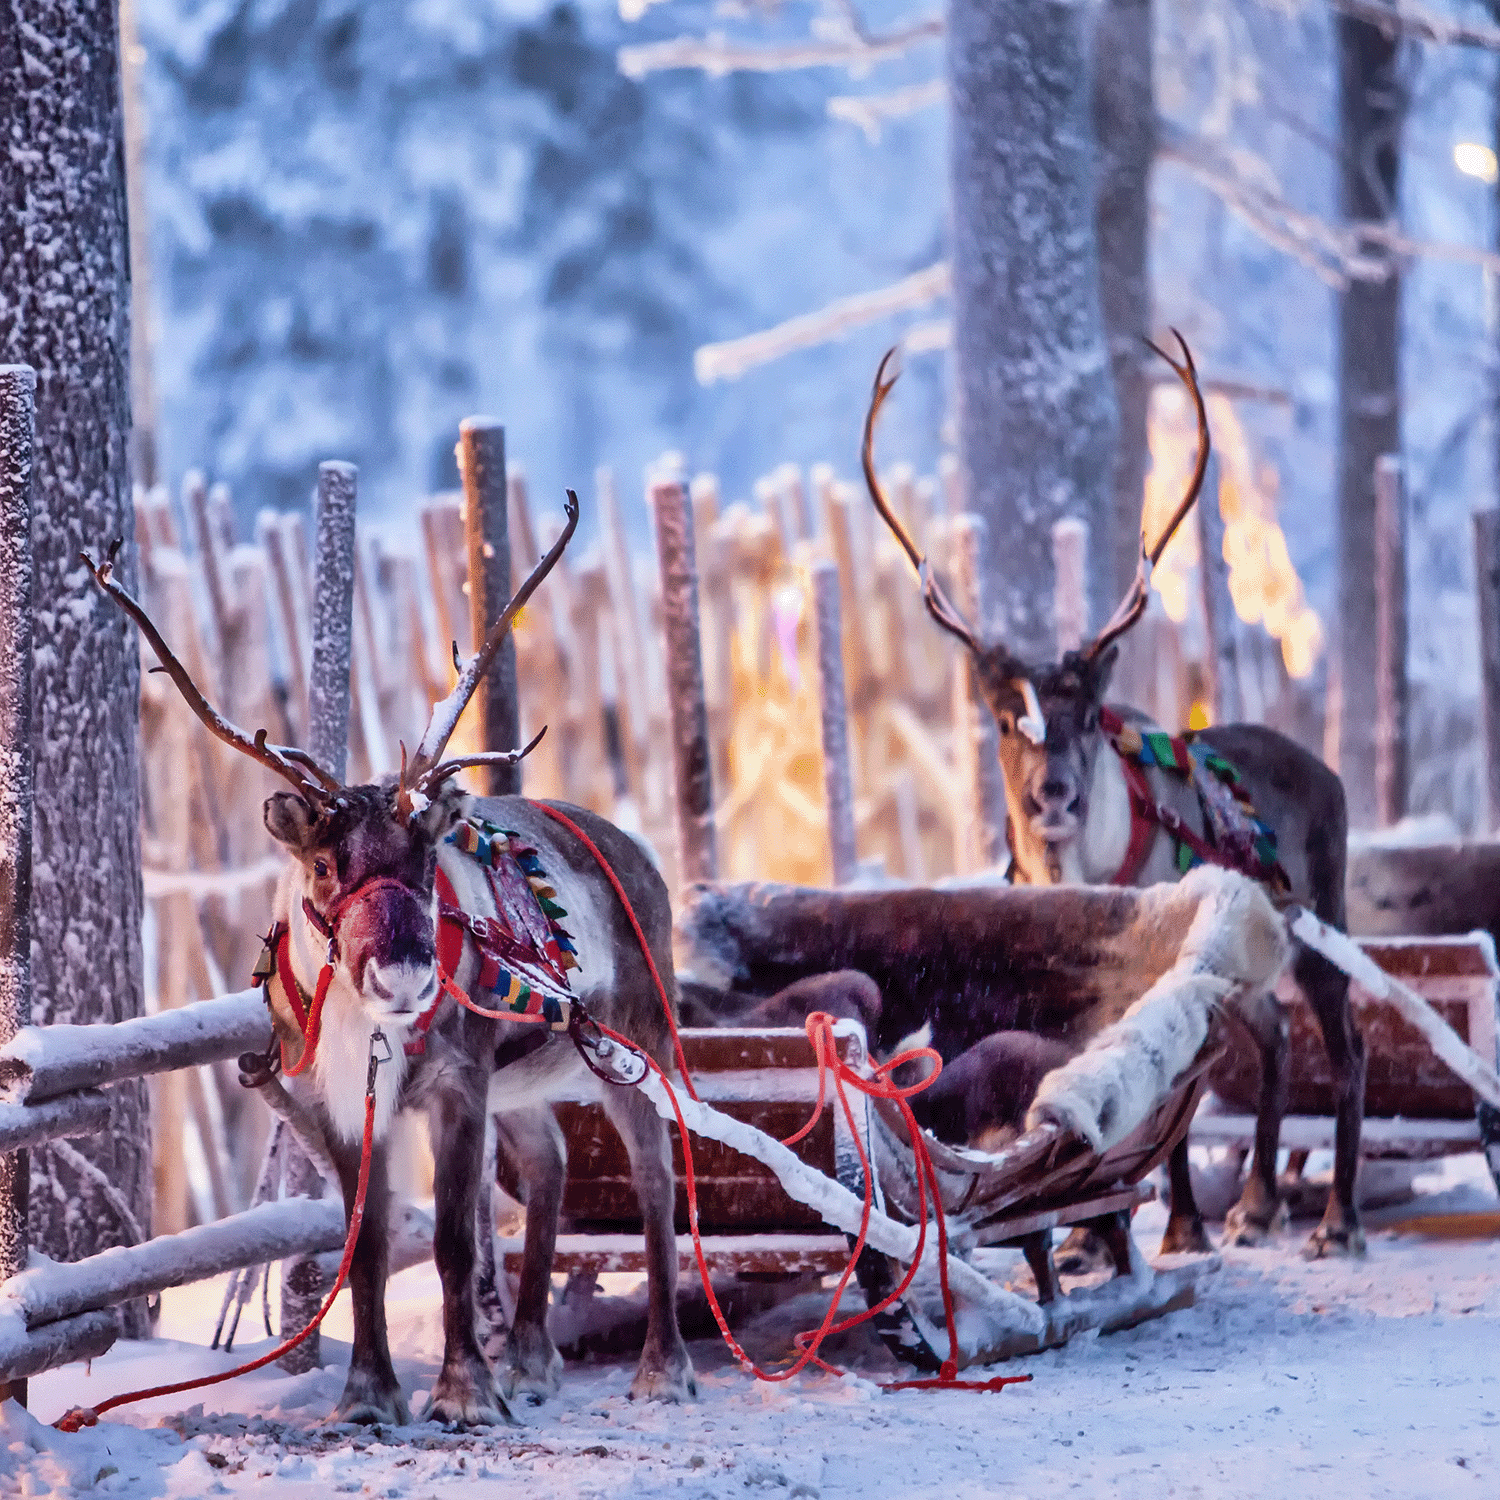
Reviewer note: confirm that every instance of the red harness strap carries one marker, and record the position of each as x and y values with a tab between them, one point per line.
1147	815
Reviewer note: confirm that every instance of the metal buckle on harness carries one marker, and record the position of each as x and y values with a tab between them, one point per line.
377	1039
606	1058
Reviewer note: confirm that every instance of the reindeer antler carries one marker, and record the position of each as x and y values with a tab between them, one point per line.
939	606
426	769
1133	605
285	760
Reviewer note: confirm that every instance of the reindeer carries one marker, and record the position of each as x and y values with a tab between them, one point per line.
359	897
1073	816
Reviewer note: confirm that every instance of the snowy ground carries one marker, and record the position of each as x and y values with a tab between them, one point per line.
1334	1379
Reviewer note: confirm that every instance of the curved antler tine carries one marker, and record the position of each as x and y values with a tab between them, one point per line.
1133	605
445	715
939	606
283	760
446	768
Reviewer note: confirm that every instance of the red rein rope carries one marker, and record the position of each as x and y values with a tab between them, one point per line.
87	1416
820	1033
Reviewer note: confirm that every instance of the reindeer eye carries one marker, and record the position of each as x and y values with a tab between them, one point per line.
1007	723
320	868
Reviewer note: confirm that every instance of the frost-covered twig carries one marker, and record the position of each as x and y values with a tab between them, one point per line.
1401	17
1337	253
718	54
870	111
203	883
731	359
77	1163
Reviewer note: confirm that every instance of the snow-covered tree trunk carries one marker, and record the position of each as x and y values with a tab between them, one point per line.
481	461
1125	130
1369	414
65	309
17	401
1036	412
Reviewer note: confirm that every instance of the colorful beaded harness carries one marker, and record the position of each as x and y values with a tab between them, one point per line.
1238	839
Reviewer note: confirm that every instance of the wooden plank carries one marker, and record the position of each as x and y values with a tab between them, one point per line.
1398	1138
748	1254
1011	1226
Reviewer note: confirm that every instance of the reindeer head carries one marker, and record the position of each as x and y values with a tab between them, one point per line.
1047	716
365	857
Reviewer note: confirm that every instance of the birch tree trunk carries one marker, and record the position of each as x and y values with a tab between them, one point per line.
1036	412
1369	413
65	309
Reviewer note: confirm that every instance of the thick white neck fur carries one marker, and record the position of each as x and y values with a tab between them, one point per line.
1095	856
341	1061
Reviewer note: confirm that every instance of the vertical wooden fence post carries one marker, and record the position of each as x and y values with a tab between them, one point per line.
481	462
1390	656
1487	583
17	426
981	823
691	753
328	744
1070	585
838	779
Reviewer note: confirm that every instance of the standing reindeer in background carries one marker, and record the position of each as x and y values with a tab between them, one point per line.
1097	795
399	899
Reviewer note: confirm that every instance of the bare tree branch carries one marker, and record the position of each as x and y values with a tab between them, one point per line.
1401	17
718	54
731	359
1337	253
869	111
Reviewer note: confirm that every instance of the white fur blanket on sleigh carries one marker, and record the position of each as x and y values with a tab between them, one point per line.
1234	950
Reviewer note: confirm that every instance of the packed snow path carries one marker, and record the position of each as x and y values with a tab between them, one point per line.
1340	1379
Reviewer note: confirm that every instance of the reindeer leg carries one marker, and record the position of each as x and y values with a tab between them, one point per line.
464	1393
489	1307
1260	1211
665	1372
1184	1232
1327	990
532	1363
371	1392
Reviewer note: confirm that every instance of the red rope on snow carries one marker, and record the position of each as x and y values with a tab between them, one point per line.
87	1416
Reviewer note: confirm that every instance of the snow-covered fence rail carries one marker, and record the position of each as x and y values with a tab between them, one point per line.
56	1080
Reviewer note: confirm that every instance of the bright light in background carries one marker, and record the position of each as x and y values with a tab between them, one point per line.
1474	160
1263	583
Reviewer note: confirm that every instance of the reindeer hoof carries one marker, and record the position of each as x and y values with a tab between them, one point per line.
371	1402
533	1367
1330	1240
1243	1229
1081	1254
467	1401
669	1379
1186	1237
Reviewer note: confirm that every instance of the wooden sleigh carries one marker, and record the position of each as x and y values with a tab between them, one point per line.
1083	950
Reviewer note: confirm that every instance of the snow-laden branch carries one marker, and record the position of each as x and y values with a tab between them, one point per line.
731	359
1337	253
870	111
1400	17
202	883
718	54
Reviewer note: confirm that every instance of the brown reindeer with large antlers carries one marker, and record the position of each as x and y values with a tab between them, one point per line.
400	899
1085	804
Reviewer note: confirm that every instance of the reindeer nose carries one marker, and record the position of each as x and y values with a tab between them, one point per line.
1055	788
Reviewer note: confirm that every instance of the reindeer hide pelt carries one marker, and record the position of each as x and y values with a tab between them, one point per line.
1234	948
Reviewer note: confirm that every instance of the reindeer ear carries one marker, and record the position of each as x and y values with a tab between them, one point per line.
289	820
437	819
